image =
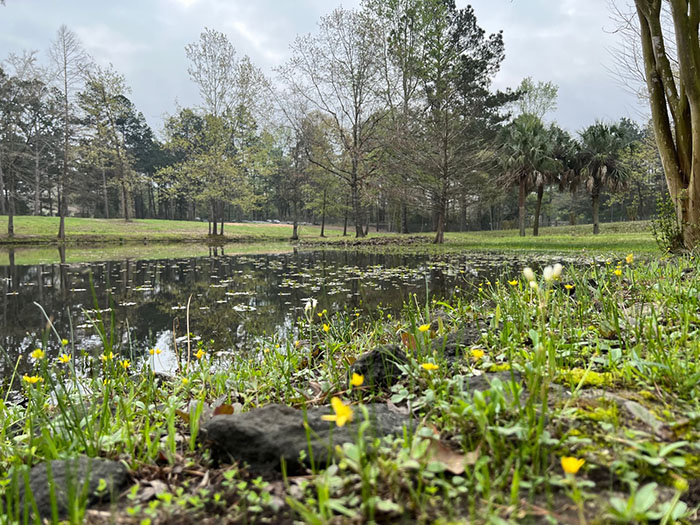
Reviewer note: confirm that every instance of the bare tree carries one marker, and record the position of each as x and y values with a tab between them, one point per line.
70	63
337	73
213	66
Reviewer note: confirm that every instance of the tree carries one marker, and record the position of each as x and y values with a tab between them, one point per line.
528	158
537	99
602	146
213	67
459	114
674	98
337	73
104	100
70	63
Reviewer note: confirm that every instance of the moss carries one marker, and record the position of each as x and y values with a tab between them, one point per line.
606	412
586	378
500	368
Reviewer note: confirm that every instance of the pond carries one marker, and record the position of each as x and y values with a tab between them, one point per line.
233	298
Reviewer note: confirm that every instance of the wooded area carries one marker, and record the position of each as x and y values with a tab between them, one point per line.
385	117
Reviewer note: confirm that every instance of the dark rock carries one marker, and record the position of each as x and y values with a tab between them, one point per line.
483	382
72	478
380	366
453	344
264	436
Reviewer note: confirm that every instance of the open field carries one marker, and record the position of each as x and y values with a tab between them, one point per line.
43	230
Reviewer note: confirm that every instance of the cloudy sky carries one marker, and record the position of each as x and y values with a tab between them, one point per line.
568	42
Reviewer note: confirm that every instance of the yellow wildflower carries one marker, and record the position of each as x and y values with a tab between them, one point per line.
64	342
429	366
185	381
32	379
477	353
199	354
124	363
618	272
571	465
343	412
64	358
326	328
424	328
629	258
514	282
568	286
108	357
37	354
357	379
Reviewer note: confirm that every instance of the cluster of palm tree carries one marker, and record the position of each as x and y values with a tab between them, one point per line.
535	155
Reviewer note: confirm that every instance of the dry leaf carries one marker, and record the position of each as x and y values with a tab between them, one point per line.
396	410
223	409
408	340
453	461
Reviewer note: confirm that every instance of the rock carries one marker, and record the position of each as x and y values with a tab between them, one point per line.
483	382
72	478
264	436
453	344
380	366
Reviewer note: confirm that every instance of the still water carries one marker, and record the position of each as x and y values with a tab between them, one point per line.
234	299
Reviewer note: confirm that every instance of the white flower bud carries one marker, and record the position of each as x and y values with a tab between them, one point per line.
548	273
533	285
529	274
557	270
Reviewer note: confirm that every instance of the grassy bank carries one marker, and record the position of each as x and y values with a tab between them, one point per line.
620	237
595	417
43	230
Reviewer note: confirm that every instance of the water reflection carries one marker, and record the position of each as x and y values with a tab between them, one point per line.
233	298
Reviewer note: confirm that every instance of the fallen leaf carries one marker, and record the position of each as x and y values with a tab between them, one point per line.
453	461
396	410
223	409
408	340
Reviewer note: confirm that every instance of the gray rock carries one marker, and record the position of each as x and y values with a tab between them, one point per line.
72	479
380	366
452	345
265	436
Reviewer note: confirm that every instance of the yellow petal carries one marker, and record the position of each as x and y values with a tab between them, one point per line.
571	465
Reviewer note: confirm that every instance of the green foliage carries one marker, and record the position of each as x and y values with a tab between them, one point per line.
666	227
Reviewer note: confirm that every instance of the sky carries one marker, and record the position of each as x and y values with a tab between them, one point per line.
567	42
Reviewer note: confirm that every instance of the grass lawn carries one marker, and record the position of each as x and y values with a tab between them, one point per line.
42	230
620	237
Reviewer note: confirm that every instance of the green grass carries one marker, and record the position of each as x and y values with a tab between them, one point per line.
609	365
136	251
619	237
42	230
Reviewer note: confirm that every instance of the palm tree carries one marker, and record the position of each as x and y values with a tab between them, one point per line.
528	156
601	147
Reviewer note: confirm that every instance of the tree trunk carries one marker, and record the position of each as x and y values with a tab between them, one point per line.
104	192
538	207
404	217
595	201
3	209
125	200
221	218
37	179
521	206
356	209
11	205
323	214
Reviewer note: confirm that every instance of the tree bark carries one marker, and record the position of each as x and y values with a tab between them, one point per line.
37	179
104	191
11	205
595	201
538	208
521	205
3	209
323	213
